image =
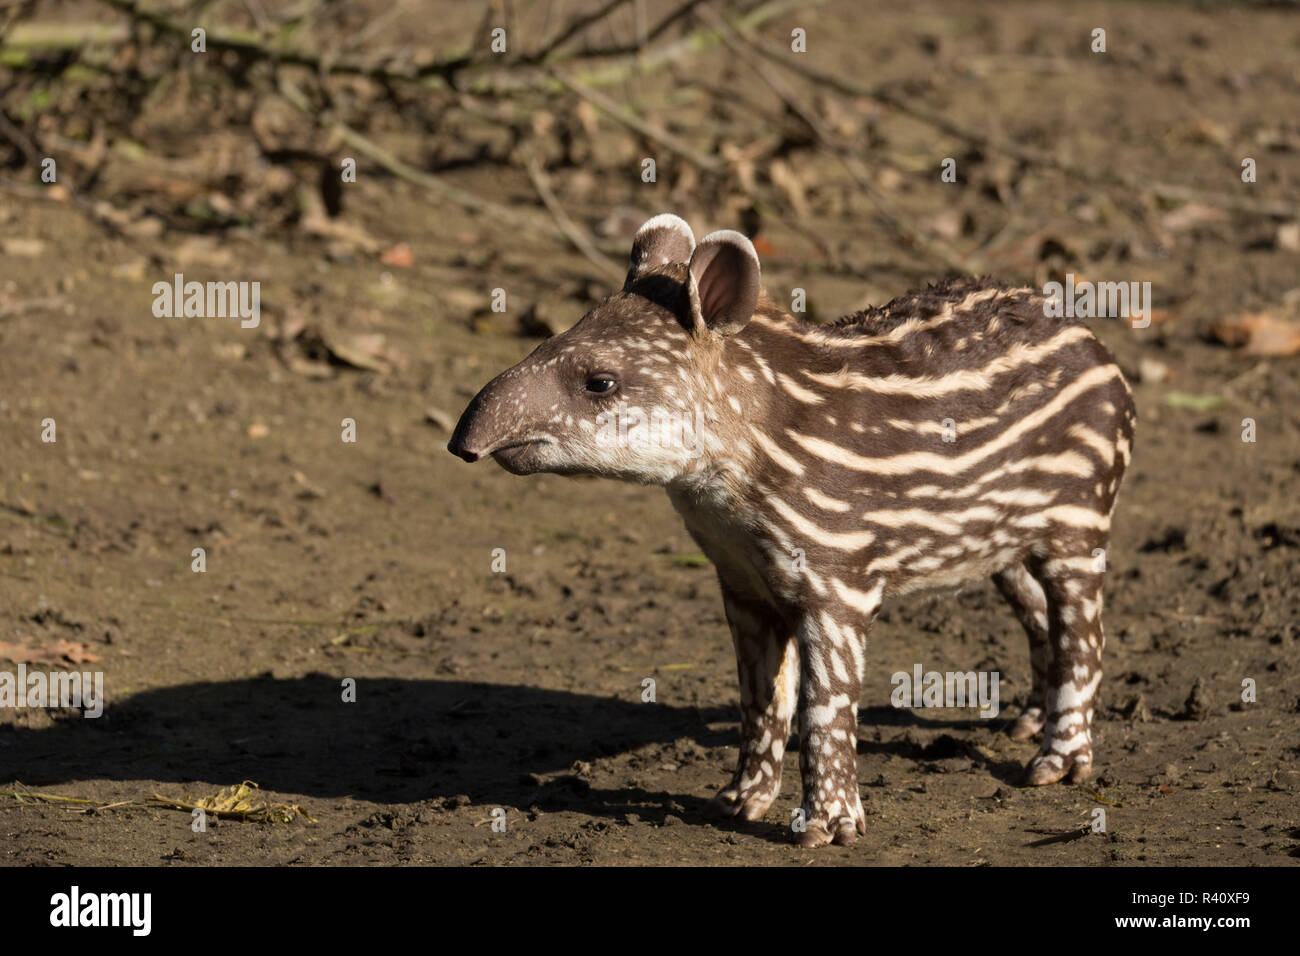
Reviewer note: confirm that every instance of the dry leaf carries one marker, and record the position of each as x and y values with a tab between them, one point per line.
439	419
1288	236
310	350
22	248
547	317
784	179
948	224
1206	130
1151	371
1259	333
202	250
302	366
237	802
58	652
1191	215
889	179
742	168
398	256
315	221
21	653
309	491
75	652
364	351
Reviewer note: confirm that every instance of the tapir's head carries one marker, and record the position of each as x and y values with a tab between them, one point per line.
631	391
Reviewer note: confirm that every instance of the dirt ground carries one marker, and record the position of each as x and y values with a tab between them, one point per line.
521	690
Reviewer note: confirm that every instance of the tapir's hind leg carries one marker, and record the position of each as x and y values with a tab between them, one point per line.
1025	595
1072	585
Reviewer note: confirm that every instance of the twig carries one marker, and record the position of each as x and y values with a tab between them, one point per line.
110	806
658	29
1069	836
638	23
629	119
571	232
63	36
20	139
572	29
19	795
643	36
30	305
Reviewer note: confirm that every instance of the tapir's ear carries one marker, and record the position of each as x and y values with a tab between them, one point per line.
724	282
662	240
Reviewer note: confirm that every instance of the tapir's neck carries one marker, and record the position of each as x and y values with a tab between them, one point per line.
750	396
777	376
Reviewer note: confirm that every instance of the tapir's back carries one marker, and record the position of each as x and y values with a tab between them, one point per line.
950	429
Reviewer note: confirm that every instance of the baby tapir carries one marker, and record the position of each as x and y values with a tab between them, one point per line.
953	433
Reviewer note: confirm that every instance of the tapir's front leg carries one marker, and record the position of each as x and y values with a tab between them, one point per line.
832	645
767	660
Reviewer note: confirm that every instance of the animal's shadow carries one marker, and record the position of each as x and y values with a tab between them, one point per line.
402	741
1010	772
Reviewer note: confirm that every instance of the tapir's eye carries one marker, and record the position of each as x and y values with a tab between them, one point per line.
601	384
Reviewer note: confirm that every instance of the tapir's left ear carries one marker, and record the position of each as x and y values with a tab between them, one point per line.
662	240
724	282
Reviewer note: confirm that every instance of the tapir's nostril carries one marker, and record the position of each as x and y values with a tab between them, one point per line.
457	447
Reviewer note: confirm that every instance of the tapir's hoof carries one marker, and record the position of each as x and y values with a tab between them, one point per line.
1027	724
845	833
1052	767
749	805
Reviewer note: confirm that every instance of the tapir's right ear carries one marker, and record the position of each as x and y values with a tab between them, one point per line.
662	240
724	282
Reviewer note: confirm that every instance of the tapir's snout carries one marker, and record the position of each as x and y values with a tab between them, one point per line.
471	440
498	421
